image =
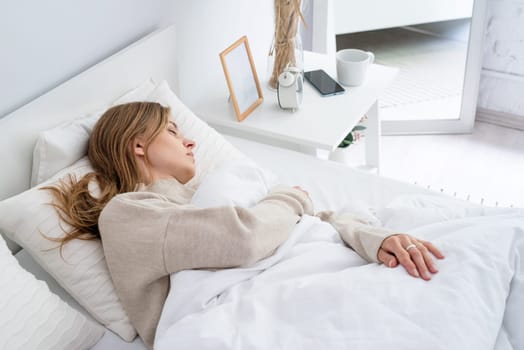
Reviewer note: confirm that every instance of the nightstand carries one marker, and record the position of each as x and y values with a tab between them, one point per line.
320	124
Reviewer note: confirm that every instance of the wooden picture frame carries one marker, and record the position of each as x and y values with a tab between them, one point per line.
241	76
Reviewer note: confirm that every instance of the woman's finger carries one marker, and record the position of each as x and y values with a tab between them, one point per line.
434	250
418	259
427	257
387	259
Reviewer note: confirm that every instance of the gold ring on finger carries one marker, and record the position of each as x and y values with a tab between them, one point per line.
410	246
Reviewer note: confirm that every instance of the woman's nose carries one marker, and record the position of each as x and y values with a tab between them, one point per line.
189	143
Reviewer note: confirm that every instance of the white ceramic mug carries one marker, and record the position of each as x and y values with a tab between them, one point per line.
352	65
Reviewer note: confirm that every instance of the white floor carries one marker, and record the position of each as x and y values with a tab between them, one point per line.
485	167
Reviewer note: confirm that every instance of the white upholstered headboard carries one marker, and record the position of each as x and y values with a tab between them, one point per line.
153	56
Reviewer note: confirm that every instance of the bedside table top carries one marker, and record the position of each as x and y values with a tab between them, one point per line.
321	122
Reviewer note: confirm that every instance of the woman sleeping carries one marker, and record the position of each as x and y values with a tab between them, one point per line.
150	232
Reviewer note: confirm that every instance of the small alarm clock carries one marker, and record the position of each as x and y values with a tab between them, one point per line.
290	88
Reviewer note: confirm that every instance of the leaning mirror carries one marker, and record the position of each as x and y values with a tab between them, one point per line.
437	46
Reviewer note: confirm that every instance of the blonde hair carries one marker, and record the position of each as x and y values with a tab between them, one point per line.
116	170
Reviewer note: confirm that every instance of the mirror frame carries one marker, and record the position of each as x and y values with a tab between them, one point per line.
466	120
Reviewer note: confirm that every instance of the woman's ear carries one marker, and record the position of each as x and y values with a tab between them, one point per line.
139	147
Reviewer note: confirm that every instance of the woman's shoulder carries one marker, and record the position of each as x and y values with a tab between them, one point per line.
130	201
127	212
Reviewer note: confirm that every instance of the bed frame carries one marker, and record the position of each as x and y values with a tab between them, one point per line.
153	56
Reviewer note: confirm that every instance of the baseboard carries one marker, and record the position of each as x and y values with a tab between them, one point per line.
499	118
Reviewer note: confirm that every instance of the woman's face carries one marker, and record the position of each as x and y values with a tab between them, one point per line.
170	156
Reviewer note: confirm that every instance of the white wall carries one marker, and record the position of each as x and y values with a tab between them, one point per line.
205	28
44	43
502	81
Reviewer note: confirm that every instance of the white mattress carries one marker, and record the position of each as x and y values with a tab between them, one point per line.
331	185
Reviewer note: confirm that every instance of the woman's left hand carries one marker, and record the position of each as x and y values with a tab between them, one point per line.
412	253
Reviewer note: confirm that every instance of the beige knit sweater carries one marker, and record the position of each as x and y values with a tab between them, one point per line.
149	235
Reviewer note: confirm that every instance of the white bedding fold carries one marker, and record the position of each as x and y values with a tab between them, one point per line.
315	293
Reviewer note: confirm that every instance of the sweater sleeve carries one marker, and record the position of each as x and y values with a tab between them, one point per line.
357	234
146	231
224	237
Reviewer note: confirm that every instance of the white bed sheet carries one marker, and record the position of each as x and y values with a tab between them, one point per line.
315	293
472	316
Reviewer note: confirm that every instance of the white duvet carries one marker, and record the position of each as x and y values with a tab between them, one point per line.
315	293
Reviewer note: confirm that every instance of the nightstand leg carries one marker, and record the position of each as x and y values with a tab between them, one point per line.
372	138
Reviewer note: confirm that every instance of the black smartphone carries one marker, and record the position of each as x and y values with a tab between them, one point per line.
326	85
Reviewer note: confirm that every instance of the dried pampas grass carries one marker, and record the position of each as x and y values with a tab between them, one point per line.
287	15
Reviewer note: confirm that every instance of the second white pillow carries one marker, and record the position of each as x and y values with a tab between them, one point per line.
63	145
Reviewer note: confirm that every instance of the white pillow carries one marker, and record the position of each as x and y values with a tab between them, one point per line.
32	317
234	183
60	147
63	145
83	273
212	149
